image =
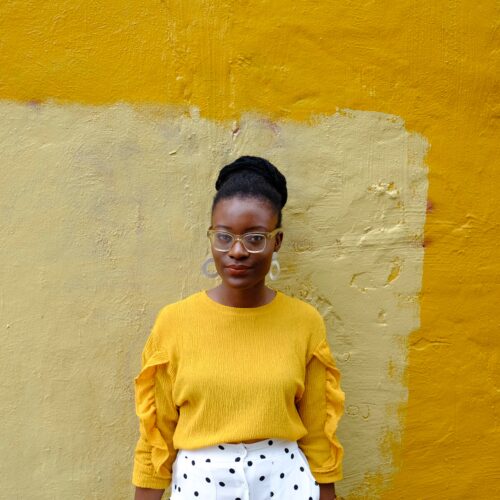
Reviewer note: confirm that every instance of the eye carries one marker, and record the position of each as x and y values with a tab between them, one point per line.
255	238
223	237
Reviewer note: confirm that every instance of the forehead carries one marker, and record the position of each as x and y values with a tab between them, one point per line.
242	214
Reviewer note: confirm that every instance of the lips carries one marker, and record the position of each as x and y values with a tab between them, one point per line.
237	270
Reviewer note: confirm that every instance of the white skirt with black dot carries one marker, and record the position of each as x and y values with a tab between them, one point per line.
269	469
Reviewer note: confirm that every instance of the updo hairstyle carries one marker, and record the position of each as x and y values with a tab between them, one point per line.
252	177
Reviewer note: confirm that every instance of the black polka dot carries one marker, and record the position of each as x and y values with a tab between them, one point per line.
282	475
193	462
237	459
221	447
262	456
272	493
208	460
175	487
185	476
302	469
232	471
207	479
270	442
310	498
316	483
261	478
295	486
196	493
292	455
179	489
250	463
222	484
286	450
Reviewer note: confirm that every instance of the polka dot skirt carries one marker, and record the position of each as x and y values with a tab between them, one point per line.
269	469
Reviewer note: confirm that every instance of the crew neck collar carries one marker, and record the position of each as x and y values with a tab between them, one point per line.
241	310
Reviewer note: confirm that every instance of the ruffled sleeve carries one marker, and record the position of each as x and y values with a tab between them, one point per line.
320	408
158	415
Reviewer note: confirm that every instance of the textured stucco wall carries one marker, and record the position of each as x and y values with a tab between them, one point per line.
122	206
114	118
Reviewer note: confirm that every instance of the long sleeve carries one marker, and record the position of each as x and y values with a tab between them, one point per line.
158	415
320	408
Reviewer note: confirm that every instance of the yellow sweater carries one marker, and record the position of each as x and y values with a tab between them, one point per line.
213	373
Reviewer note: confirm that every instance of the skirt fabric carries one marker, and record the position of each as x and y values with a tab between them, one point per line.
272	468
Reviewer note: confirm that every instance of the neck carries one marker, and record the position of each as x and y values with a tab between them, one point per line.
256	296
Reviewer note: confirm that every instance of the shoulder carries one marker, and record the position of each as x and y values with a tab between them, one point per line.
181	307
307	318
172	316
300	308
304	315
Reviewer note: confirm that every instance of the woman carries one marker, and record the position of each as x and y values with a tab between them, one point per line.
238	397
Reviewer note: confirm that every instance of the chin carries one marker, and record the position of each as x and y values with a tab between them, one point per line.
240	283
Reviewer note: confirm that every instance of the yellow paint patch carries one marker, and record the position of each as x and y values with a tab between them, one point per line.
395	270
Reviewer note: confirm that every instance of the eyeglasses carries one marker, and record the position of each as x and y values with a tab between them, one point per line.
256	242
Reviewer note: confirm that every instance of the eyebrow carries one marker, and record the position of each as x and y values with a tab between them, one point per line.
248	229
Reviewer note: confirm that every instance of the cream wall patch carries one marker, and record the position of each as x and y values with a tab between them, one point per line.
104	214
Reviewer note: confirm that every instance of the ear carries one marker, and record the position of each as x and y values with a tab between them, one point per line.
278	240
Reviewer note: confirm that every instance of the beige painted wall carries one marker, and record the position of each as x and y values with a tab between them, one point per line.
106	213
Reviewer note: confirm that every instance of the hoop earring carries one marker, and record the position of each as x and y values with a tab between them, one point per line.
209	261
274	271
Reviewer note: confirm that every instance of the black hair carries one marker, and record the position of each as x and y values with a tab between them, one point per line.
252	177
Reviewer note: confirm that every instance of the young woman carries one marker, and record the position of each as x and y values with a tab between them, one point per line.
239	396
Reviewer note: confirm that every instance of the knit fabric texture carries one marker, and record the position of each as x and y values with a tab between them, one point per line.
216	374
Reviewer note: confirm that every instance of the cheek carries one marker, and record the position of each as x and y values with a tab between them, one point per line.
265	262
217	258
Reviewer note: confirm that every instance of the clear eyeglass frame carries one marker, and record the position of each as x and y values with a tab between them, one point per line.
211	233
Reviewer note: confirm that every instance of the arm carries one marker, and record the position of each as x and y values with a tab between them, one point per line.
147	494
320	409
327	492
158	416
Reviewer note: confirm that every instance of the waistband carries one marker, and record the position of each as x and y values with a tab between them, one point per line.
233	452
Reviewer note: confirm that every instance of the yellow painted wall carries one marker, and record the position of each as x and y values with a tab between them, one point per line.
79	234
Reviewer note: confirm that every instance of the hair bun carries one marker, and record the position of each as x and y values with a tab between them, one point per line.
255	165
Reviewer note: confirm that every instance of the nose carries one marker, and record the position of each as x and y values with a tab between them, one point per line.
238	251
